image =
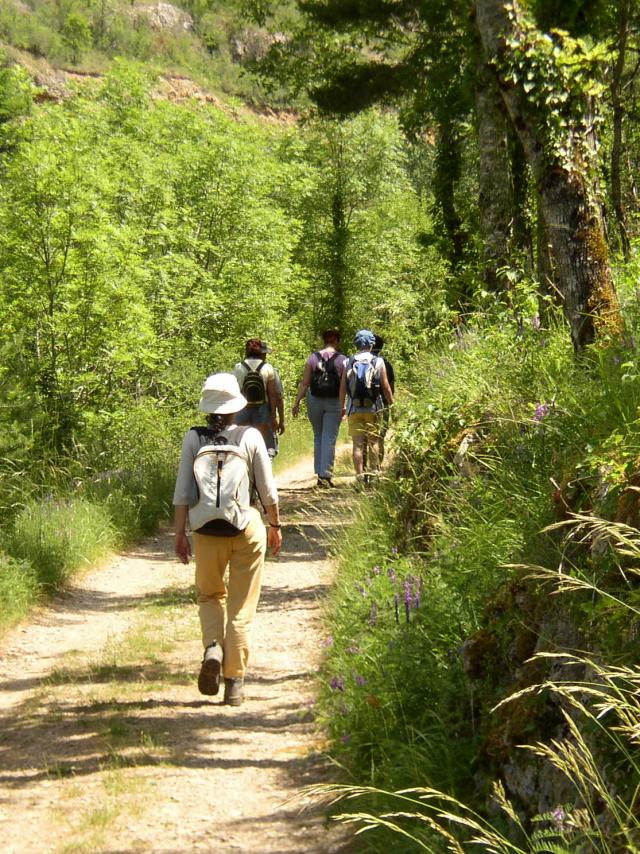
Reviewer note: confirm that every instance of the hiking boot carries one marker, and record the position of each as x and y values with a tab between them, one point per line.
324	482
234	691
209	678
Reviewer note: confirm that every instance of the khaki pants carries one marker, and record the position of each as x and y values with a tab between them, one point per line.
227	610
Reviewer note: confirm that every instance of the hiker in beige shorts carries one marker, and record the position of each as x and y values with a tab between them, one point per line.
364	389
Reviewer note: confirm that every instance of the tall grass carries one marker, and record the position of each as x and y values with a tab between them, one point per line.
597	755
18	589
57	537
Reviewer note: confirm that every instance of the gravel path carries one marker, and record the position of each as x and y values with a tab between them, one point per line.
105	743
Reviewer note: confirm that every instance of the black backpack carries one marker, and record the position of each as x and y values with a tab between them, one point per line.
253	387
325	380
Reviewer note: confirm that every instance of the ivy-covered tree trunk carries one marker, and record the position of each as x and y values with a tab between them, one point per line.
496	198
552	124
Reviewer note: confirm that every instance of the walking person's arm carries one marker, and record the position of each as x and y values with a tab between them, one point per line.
273	403
305	382
182	546
384	385
185	495
267	490
342	395
274	531
280	408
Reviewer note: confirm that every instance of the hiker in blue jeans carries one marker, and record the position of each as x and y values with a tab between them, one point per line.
321	385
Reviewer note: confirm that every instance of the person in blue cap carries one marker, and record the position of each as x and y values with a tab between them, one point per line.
384	416
364	389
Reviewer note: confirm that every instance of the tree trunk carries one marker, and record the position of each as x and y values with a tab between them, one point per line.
496	200
617	80
522	228
447	174
544	267
568	205
339	242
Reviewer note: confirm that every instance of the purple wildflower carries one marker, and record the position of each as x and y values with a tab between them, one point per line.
361	589
376	570
396	605
407	591
354	649
346	738
391	574
337	683
535	321
373	615
327	642
542	410
394	550
416	598
360	680
559	817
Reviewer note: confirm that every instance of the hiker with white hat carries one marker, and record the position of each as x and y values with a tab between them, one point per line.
220	466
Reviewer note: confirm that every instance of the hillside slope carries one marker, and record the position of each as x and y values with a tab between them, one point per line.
210	42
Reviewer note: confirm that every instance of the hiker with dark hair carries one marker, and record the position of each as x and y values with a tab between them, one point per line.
271	440
320	385
385	414
363	392
220	465
256	379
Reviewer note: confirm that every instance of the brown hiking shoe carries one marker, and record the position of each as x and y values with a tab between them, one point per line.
234	691
209	678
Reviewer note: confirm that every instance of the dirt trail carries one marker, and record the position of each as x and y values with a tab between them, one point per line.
105	743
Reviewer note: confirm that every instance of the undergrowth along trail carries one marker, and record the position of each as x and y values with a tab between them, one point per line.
106	744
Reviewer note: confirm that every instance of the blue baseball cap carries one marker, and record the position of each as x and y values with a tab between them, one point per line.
365	338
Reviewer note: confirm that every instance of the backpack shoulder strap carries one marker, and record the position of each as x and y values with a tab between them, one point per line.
201	431
240	431
261	366
245	366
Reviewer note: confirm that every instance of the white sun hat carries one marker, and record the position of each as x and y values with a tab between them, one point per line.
221	395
